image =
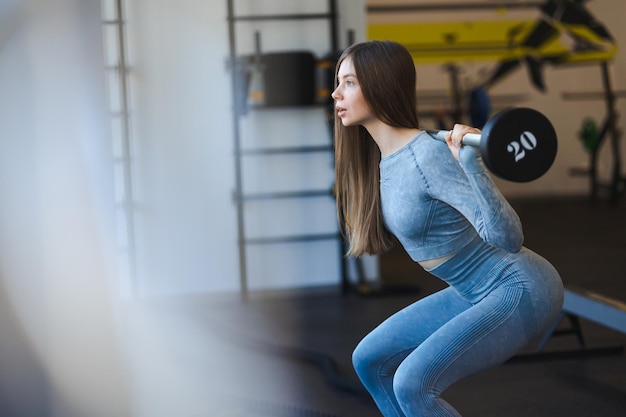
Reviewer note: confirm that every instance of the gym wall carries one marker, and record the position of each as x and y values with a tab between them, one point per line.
183	165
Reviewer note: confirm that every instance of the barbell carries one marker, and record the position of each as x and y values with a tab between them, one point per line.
517	144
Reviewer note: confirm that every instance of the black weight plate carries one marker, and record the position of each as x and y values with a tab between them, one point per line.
518	144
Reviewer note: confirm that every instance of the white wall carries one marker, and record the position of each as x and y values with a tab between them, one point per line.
183	134
66	345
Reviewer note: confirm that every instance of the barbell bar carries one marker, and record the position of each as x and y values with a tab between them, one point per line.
517	144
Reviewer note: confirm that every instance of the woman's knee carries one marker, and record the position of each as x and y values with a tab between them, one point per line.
363	358
410	386
417	393
371	357
411	374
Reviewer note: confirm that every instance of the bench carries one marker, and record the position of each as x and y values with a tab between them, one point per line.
588	305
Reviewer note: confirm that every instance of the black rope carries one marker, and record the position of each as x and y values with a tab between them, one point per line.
285	410
323	361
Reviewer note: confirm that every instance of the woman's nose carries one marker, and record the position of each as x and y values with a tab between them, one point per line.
335	93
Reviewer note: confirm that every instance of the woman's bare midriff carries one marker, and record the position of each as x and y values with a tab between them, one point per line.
429	264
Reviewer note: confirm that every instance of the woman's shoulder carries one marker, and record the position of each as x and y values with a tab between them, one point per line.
426	147
433	157
423	153
421	144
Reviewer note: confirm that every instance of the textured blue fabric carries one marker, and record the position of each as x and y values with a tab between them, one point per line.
500	297
435	205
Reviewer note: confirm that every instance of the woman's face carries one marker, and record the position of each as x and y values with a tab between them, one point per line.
349	102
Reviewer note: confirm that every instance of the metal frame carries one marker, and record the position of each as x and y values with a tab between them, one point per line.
126	190
237	86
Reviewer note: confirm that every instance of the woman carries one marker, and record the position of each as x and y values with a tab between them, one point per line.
443	207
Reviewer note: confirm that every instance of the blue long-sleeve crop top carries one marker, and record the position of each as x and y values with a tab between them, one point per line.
435	204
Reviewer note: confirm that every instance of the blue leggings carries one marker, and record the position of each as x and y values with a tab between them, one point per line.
496	304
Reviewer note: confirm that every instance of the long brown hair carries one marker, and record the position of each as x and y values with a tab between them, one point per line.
386	74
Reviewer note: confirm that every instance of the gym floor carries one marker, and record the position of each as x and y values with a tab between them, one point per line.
288	354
